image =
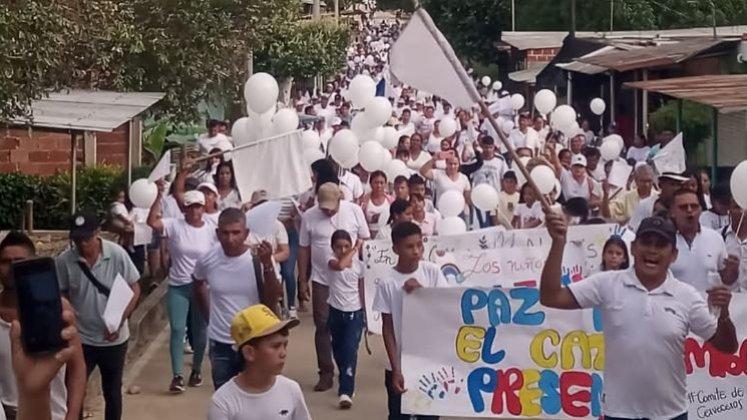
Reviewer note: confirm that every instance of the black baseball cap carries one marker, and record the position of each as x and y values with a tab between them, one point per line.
660	226
83	225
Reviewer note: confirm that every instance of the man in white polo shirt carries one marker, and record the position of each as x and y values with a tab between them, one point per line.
647	314
702	261
225	282
317	226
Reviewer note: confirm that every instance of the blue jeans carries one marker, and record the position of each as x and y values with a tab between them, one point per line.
179	299
483	219
224	361
345	329
288	268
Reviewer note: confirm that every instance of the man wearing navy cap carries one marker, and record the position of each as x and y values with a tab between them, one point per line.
646	316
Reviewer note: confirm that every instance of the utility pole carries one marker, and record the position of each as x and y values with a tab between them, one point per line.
513	15
316	10
713	17
612	15
573	18
337	9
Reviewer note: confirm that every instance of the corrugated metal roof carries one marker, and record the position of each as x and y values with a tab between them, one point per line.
585	68
89	110
726	92
529	75
524	40
662	55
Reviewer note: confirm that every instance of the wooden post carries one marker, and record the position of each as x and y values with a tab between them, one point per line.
28	216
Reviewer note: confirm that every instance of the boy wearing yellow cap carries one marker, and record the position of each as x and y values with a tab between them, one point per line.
259	391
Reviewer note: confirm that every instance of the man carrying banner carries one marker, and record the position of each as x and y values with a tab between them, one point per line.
647	314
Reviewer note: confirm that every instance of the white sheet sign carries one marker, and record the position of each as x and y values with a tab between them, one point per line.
477	352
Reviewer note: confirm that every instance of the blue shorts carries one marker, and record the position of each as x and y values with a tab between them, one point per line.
155	242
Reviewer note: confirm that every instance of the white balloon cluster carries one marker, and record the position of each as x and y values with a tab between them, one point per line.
143	193
611	147
264	119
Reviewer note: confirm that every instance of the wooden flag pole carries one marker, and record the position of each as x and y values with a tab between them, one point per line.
470	86
243	146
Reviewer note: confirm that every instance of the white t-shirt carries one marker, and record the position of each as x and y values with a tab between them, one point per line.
644	209
351	186
220	141
517	138
170	208
443	183
8	387
525	213
491	172
317	229
186	244
389	292
120	210
639	154
584	189
284	401
279	237
230	200
644	334
713	221
698	264
421	160
343	288
233	287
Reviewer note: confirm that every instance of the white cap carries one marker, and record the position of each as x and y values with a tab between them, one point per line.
578	159
208	185
194	197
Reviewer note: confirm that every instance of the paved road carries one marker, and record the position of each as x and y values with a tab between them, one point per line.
152	375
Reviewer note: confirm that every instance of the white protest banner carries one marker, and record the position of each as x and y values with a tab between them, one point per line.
498	353
274	164
378	255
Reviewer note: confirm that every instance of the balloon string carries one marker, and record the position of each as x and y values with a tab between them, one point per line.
739	225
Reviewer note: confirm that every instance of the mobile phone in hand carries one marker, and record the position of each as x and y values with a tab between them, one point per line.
39	305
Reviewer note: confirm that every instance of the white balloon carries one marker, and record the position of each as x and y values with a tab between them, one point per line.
351	162
563	117
362	88
377	111
394	168
451	203
310	140
285	120
572	130
343	147
143	193
545	101
610	150
261	92
389	138
507	126
617	139
387	158
451	226
447	127
738	184
597	106
371	156
544	177
497	85
312	154
484	197
517	101
240	131
485	81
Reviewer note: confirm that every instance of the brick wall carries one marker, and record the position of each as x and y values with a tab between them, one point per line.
45	151
541	54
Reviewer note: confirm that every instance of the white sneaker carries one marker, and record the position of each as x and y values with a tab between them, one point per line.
293	313
188	349
345	402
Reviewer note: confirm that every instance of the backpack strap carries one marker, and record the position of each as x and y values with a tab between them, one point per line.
97	284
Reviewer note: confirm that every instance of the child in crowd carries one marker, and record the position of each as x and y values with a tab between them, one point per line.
401	190
121	222
410	273
260	391
399	211
528	213
345	312
615	254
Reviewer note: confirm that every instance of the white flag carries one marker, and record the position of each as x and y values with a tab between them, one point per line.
162	168
671	158
421	57
275	165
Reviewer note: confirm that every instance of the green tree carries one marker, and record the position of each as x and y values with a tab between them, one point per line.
471	26
34	36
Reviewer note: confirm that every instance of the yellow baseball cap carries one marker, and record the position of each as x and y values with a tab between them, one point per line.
257	321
